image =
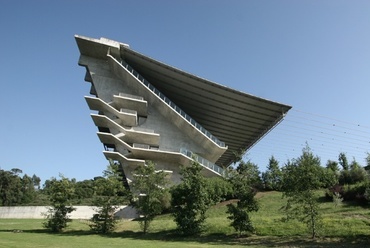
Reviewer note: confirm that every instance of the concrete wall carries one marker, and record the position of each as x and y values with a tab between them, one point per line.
109	78
81	212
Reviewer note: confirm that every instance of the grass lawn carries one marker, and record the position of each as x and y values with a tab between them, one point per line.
343	226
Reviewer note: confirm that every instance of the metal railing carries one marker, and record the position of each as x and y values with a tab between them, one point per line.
171	104
202	161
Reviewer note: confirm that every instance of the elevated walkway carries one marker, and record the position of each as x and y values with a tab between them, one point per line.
126	117
141	151
131	135
131	102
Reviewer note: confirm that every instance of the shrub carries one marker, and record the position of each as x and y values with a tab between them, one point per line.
110	191
355	192
219	189
60	194
190	200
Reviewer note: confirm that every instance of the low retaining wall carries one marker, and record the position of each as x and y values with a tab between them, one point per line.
81	212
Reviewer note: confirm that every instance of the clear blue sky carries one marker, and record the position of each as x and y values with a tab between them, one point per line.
313	55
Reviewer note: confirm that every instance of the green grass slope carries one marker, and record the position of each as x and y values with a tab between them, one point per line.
343	226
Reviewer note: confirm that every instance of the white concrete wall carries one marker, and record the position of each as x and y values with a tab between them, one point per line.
81	212
175	133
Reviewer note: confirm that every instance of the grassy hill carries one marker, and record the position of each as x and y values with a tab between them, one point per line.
343	226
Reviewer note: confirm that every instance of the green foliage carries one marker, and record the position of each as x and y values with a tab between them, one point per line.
242	184
60	194
238	155
250	174
109	195
150	187
367	193
190	200
355	192
240	219
16	190
346	226
10	188
84	191
332	165
219	189
367	159
301	178
355	174
337	199
343	161
272	176
328	177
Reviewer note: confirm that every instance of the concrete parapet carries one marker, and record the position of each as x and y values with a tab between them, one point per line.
81	212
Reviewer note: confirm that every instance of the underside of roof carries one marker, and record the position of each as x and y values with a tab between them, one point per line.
236	118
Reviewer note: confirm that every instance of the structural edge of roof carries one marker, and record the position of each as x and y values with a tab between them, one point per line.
243	107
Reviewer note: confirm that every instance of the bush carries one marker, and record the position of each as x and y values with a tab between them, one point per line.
190	200
219	189
353	176
355	192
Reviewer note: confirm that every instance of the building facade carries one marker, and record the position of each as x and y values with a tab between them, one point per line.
147	110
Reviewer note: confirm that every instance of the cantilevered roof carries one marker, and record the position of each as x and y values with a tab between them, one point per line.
236	118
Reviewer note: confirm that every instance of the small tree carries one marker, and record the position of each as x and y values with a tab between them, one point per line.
301	178
337	199
272	177
250	173
343	161
239	213
190	200
60	193
110	193
150	186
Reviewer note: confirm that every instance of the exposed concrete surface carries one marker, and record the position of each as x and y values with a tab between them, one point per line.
81	212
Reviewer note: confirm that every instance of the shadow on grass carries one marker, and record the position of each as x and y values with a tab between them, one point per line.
350	204
301	241
221	239
46	231
263	241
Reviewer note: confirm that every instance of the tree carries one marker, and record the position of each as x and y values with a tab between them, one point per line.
60	193
16	189
190	200
272	177
358	173
355	174
301	178
150	187
36	181
85	191
332	165
28	190
331	173
251	173
10	187
110	193
237	156
244	192
343	161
